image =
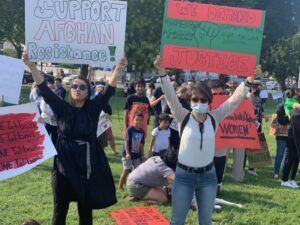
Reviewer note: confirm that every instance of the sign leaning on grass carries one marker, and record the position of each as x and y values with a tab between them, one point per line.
24	143
11	75
210	38
75	32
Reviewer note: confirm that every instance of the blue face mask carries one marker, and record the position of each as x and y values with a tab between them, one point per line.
200	107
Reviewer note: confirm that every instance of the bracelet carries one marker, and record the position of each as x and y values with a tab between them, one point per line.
249	84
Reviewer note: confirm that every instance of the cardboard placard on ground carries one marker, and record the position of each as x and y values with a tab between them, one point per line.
139	215
24	142
211	38
76	32
258	158
239	129
11	76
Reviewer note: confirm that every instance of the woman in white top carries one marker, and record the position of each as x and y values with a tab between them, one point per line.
195	170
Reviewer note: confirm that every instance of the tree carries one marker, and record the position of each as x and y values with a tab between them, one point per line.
12	27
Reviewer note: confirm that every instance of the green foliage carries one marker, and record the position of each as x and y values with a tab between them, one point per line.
10	52
12	25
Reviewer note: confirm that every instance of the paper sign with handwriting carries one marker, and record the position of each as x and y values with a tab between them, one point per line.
139	215
76	32
24	142
212	38
103	124
239	130
11	76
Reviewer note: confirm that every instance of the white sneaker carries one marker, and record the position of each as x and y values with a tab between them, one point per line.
252	172
287	184
292	182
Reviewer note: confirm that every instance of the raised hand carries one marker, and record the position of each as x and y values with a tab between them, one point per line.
158	65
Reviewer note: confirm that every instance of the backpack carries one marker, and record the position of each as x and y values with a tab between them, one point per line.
186	120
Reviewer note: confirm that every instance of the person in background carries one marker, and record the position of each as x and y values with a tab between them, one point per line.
137	102
148	181
81	172
48	116
283	123
217	89
291	163
59	89
131	88
35	96
160	138
195	168
158	103
133	148
150	90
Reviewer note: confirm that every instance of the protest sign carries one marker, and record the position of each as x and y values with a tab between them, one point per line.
24	143
174	125
205	37
264	94
260	157
11	76
103	124
139	215
239	129
82	32
277	95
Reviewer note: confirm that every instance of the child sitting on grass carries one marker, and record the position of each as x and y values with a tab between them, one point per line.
160	139
133	148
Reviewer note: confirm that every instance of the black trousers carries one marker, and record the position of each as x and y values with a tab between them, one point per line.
220	163
63	194
291	162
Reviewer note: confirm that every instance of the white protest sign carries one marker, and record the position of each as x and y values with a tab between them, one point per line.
174	125
103	124
24	142
264	94
11	76
75	32
277	95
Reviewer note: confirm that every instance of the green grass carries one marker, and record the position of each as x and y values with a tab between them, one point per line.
265	201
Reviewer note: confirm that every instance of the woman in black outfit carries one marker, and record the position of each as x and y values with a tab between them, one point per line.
81	171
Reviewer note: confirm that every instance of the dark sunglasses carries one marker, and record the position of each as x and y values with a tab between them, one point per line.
221	93
82	87
202	100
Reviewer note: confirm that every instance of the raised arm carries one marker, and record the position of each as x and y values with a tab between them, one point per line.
37	76
176	108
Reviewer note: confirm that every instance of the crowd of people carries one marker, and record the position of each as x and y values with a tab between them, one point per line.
182	164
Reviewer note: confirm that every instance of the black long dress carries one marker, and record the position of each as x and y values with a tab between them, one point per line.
81	170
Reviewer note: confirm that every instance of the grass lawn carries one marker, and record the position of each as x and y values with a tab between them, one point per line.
265	201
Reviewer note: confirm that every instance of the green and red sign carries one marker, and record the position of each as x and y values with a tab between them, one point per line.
204	37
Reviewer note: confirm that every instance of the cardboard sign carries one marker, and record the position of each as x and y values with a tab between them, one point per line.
139	215
174	125
264	94
277	129
11	76
75	32
139	107
103	124
259	158
205	37
24	143
239	129
277	95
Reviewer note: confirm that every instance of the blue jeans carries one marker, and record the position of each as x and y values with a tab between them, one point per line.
186	183
281	147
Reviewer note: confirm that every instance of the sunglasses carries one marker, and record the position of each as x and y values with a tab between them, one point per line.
82	87
197	99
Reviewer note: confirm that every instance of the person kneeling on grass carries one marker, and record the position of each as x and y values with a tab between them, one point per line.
133	149
148	181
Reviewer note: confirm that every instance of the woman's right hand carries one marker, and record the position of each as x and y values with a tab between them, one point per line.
158	65
27	61
128	157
